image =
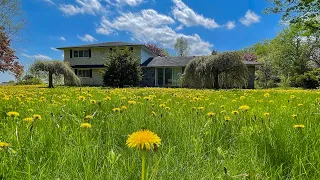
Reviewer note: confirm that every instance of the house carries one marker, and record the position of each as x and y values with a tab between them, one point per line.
88	61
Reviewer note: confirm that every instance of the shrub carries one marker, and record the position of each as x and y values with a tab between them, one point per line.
224	70
30	81
122	69
309	80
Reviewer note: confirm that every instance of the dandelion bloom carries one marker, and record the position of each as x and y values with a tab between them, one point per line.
266	95
211	114
242	97
30	110
153	113
300	105
235	112
292	96
123	98
267	114
162	105
86	125
167	108
124	107
30	119
116	109
13	114
200	108
93	101
299	126
107	98
294	116
132	102
89	117
3	145
244	108
82	98
143	140
227	118
36	116
147	98
234	100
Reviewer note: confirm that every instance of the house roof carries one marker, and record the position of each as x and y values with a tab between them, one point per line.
179	62
105	44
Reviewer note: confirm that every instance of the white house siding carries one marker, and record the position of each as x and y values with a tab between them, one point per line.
145	55
96	79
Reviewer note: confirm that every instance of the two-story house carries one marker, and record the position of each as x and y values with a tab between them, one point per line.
88	61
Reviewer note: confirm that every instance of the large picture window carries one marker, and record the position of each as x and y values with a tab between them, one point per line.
81	53
83	73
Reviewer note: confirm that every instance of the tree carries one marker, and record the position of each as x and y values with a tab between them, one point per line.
11	16
122	69
214	52
225	70
55	68
182	46
8	60
157	50
305	13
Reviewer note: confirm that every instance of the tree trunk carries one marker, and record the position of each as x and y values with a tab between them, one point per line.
50	80
216	81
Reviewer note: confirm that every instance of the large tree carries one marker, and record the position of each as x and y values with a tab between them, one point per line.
122	69
305	13
8	59
182	46
157	50
55	68
11	17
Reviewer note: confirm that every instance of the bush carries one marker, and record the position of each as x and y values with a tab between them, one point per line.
122	69
30	81
225	70
309	80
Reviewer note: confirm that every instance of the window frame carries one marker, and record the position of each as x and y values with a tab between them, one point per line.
85	73
76	53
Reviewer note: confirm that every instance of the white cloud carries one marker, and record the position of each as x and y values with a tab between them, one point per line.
149	26
250	18
188	17
125	2
54	49
37	57
49	1
230	25
87	38
180	27
62	38
83	7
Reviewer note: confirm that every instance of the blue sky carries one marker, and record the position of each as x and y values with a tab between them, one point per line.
222	25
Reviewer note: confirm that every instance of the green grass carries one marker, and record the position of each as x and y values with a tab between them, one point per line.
194	145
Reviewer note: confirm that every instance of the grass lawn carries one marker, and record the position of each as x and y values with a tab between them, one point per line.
205	134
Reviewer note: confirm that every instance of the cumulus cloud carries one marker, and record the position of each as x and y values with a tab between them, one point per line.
188	17
62	38
92	7
250	18
87	38
37	56
125	2
152	27
230	25
49	2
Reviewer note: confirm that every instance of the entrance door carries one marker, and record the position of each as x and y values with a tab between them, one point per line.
164	77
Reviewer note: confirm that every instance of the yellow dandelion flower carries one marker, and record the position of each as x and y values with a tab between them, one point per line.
234	100
107	98
123	107
116	109
81	98
294	116
211	114
30	119
13	114
299	126
200	108
227	118
162	105
89	117
147	98
93	101
6	98
300	105
266	114
143	140
292	96
86	125
235	112
266	95
36	116
167	108
153	113
242	97
4	144
132	102
123	98
244	108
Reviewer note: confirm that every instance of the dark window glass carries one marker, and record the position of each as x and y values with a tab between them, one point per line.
86	53
81	53
168	77
75	53
160	76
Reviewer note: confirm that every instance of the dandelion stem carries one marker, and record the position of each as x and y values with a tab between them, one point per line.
143	165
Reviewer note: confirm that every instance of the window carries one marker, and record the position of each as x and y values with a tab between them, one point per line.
81	53
83	73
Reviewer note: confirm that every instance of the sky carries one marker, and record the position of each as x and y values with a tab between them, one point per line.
222	25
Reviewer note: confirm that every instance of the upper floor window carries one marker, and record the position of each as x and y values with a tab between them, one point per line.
81	53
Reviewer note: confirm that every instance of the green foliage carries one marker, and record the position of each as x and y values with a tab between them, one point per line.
30	80
182	47
122	69
309	80
55	68
224	70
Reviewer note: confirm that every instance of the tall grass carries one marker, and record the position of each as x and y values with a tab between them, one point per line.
194	145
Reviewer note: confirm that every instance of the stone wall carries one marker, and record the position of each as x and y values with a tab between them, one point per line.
148	77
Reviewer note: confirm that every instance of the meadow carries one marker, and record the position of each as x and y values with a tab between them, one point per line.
205	134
